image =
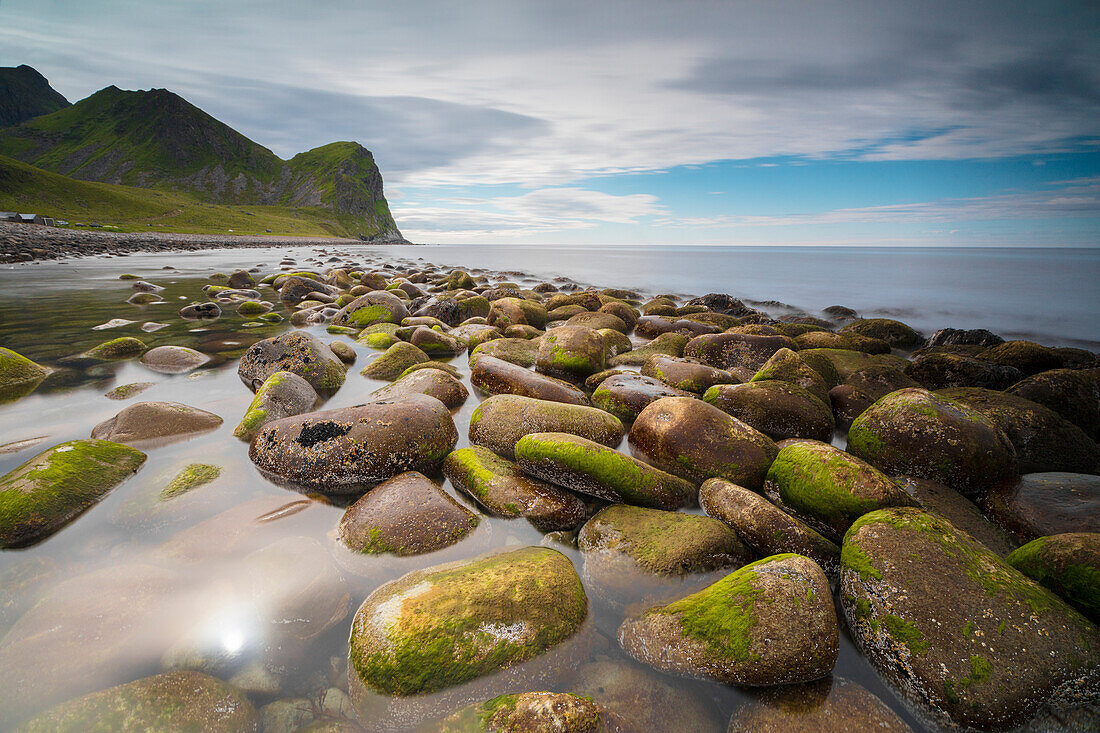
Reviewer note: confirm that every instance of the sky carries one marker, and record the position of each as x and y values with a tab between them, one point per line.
636	121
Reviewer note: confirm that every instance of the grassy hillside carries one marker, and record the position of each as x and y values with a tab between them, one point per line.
24	93
29	189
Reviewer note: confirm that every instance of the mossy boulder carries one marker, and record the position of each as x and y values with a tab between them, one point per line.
864	388
778	409
696	441
295	287
940	370
841	341
1040	504
729	350
343	352
500	421
496	376
405	515
769	623
1027	356
614	342
960	511
1068	564
626	395
830	486
528	712
449	624
156	423
436	343
379	336
437	383
652	326
669	344
582	465
765	527
918	433
1043	439
505	491
173	701
830	705
19	376
571	353
250	308
124	347
1072	393
522	352
787	366
960	633
173	359
393	361
597	320
661	542
897	334
377	306
347	450
475	334
836	365
690	375
506	312
44	494
298	352
283	394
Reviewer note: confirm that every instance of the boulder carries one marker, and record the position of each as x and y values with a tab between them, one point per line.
437	383
964	337
769	623
668	344
696	441
571	353
207	310
522	352
787	366
560	712
297	352
405	515
626	395
124	347
864	388
377	306
44	494
895	333
156	423
1068	565
642	699
506	312
962	635
778	409
836	365
841	341
728	350
960	511
582	465
346	450
173	359
1072	393
500	421
1027	356
687	374
918	433
436	343
393	361
19	376
1040	504
283	394
939	370
496	376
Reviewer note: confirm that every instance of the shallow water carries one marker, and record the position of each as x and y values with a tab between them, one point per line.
135	584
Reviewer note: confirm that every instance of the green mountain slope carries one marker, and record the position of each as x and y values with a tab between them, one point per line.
24	93
156	139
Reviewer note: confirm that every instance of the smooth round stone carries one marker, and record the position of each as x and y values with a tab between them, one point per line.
831	705
778	409
1072	393
728	350
697	441
506	312
520	351
405	515
652	326
787	366
124	347
298	352
960	511
500	421
669	344
1027	356
375	307
207	310
173	359
943	370
346	450
436	343
769	623
394	361
864	388
841	341
765	527
156	423
475	334
283	394
19	375
1039	504
505	491
571	353
432	382
626	395
496	376
895	333
614	342
1068	564
687	374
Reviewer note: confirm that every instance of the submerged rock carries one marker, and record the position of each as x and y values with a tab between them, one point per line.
156	423
173	359
297	352
831	705
769	623
42	495
124	347
346	450
1040	504
191	477
560	712
283	394
500	421
961	634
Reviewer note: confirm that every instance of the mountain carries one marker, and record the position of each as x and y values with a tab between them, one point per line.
24	93
156	139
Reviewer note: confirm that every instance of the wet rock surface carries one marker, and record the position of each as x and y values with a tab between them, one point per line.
500	421
156	423
297	352
1039	504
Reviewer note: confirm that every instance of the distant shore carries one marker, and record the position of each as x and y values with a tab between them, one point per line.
26	242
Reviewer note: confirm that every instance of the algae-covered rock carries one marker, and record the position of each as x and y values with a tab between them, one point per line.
173	701
42	495
496	376
377	306
379	336
652	326
436	343
729	350
687	374
343	352
961	634
1067	564
918	433
843	341
590	468
830	705
173	359
445	625
696	441
597	320
18	375
1043	439
506	312
437	383
346	450
528	712
1027	356
156	423
1072	393
500	421
124	347
405	515
191	477
571	353
765	527
283	394
393	361
830	486
297	352
769	623
615	342
960	511
626	395
895	333
668	344
939	370
522	352
778	409
836	365
787	366
1040	504
864	388
475	334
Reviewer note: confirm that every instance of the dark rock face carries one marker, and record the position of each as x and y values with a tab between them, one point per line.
1073	394
974	643
967	337
24	94
347	450
725	304
405	515
1039	504
940	370
297	352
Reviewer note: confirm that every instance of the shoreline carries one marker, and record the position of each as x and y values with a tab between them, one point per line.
28	243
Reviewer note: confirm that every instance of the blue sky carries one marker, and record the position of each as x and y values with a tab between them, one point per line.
626	121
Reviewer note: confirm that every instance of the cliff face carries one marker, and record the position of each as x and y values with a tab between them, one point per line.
24	94
156	139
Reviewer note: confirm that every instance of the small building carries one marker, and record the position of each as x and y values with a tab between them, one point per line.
47	221
32	219
9	216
